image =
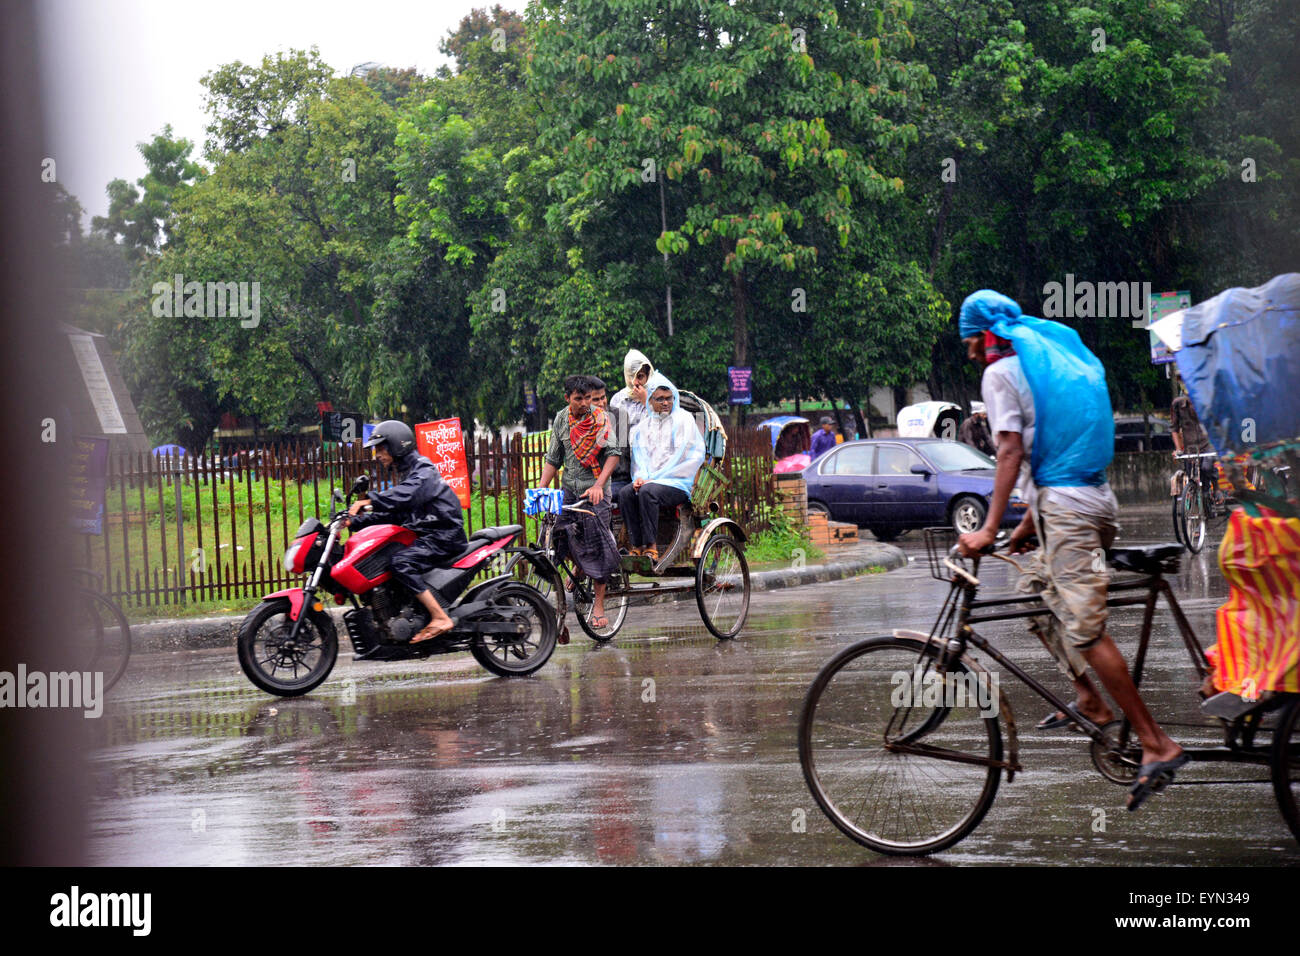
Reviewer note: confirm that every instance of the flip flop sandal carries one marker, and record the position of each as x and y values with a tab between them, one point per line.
416	639
1052	722
1158	775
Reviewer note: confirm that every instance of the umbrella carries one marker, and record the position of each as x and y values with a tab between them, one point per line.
791	464
173	450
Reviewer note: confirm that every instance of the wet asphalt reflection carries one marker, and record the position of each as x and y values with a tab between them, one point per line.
666	747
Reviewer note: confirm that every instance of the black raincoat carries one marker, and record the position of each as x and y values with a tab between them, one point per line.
421	501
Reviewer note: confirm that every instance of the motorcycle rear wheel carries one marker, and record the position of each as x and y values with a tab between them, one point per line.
278	667
515	655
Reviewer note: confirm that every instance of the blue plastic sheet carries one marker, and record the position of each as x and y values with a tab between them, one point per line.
1074	428
1240	358
539	501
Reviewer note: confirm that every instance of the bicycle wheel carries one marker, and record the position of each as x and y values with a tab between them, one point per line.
1286	766
617	598
722	586
1192	515
874	697
1176	517
101	636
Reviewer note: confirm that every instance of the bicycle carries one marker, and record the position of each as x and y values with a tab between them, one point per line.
900	762
703	552
100	632
1199	506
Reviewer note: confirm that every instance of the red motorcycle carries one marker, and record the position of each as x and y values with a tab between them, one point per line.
288	644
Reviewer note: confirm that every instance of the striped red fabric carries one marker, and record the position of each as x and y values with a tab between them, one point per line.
1259	626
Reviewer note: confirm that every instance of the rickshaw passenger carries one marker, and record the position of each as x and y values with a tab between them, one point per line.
632	400
667	451
620	434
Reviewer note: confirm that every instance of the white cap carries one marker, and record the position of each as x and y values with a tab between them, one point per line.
978	408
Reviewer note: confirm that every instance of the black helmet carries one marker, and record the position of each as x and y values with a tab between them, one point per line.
396	436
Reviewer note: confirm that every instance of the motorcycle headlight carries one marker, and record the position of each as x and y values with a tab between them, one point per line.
289	557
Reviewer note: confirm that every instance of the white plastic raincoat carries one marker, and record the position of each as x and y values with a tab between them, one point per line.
667	447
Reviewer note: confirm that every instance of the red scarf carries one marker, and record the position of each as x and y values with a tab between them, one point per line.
996	348
584	435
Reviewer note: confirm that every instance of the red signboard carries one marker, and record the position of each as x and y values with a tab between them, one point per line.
444	445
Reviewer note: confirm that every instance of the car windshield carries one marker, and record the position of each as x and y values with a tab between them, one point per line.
954	456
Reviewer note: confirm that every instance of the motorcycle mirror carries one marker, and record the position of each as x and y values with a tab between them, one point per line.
361	486
336	496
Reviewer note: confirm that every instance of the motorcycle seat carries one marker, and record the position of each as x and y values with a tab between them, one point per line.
496	534
1151	559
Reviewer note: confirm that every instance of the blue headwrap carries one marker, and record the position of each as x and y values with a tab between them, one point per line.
1074	434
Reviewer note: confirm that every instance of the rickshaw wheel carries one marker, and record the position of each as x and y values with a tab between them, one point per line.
1286	766
616	602
722	586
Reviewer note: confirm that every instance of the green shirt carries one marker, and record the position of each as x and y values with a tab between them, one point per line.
576	477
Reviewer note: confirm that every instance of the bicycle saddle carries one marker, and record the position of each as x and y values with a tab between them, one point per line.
496	534
1149	559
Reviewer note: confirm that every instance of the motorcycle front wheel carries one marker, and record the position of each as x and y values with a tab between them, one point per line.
280	666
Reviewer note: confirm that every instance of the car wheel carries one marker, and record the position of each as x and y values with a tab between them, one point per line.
967	514
817	508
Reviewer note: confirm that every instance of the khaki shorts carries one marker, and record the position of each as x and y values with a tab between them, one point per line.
1072	569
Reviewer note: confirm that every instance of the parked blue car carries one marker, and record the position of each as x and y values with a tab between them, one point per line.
890	485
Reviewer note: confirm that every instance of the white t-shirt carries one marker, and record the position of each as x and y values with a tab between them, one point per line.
1005	391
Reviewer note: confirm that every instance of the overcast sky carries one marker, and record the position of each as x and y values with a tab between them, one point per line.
115	71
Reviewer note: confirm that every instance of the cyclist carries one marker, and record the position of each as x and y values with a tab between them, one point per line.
1190	437
1050	413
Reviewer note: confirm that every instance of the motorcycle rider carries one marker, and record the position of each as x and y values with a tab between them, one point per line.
423	502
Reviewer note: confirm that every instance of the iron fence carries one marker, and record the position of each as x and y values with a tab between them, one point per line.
189	529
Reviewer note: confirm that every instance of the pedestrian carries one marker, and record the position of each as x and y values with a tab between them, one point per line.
1050	411
823	439
620	432
975	430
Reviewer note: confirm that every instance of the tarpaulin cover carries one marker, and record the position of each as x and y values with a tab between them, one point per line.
1074	437
1259	627
1241	362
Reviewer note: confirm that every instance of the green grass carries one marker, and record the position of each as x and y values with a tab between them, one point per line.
246	527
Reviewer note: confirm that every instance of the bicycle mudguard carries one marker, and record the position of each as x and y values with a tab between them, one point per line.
714	526
1004	702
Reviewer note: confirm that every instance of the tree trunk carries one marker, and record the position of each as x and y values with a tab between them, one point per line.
858	420
740	331
939	226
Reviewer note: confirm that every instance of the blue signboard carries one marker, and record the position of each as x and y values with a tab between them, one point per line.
740	379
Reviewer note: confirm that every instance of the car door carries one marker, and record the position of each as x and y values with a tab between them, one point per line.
898	498
844	474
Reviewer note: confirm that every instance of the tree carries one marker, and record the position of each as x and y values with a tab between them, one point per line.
142	220
772	133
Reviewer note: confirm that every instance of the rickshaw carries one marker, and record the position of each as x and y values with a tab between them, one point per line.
791	438
912	774
700	549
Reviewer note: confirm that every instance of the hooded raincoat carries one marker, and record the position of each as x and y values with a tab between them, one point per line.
667	447
633	362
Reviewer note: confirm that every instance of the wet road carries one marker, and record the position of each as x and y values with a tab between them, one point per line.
666	747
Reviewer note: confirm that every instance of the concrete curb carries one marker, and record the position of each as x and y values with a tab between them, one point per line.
188	634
